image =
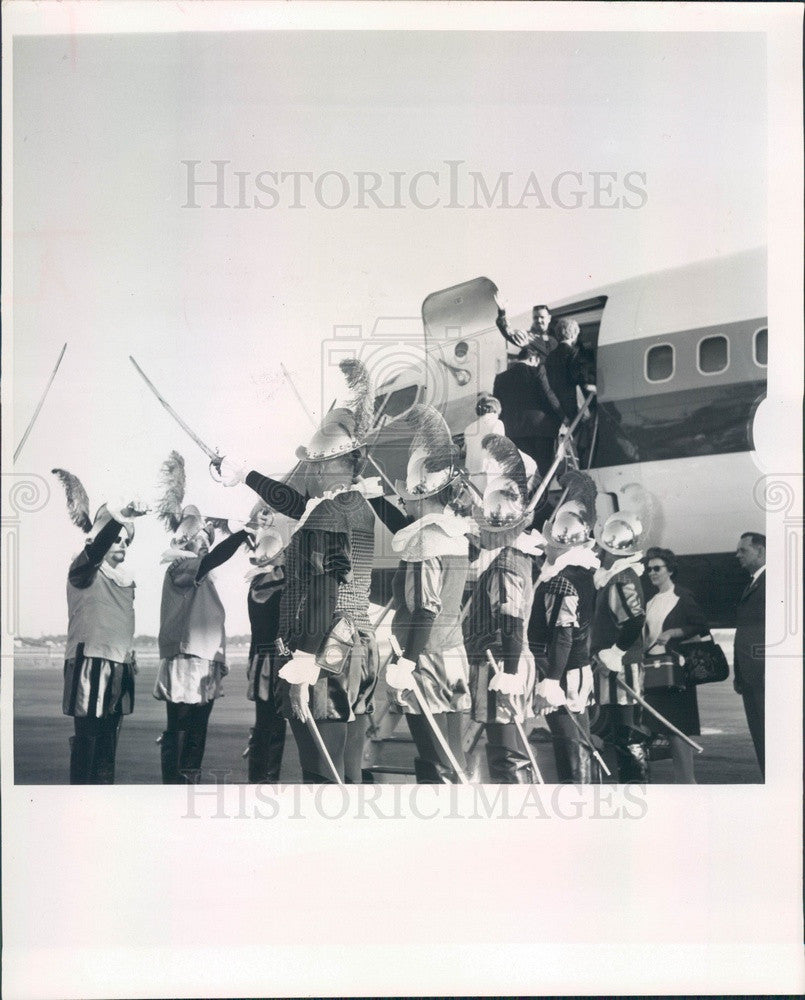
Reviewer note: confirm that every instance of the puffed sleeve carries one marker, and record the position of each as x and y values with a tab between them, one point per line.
182	572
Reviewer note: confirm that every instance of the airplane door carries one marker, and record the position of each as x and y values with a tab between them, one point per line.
463	346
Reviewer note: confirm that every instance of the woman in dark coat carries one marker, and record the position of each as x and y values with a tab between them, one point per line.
672	616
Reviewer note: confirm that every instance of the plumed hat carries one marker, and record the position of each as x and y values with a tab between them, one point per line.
431	455
183	522
572	521
344	428
621	534
78	507
504	505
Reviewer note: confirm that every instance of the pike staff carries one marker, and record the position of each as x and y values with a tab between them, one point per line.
653	711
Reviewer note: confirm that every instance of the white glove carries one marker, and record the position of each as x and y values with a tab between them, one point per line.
579	688
511	684
300	701
126	511
551	692
302	671
370	487
232	471
400	675
611	659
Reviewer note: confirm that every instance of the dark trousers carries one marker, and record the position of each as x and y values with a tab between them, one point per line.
183	742
344	742
93	750
432	766
267	743
541	449
754	699
574	762
508	760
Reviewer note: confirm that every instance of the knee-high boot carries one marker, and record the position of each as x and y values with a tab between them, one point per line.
508	766
266	747
192	755
82	755
633	763
429	772
103	768
169	749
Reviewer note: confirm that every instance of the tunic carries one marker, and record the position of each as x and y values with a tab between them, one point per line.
505	590
431	578
620	613
98	667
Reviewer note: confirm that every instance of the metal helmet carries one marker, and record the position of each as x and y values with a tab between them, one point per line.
621	534
568	527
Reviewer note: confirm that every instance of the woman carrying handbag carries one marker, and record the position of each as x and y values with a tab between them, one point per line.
672	616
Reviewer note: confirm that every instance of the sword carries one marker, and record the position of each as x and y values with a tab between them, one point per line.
518	725
39	405
213	456
653	711
437	733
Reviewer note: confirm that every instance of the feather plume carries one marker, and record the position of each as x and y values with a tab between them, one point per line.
361	401
172	484
77	499
578	486
432	435
505	460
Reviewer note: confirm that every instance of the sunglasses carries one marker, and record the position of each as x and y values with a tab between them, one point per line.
654	569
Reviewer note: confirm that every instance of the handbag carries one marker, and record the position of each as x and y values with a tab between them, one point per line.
663	670
704	662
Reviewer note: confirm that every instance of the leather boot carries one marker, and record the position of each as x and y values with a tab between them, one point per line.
192	755
103	767
562	751
507	766
633	763
581	764
428	772
266	747
82	755
169	749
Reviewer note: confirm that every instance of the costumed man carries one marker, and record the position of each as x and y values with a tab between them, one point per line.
560	627
192	636
427	590
499	610
272	533
99	661
326	648
617	642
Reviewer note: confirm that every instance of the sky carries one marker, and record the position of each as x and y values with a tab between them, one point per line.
212	301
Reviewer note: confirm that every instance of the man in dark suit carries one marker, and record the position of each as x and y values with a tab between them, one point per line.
569	366
530	411
537	334
750	640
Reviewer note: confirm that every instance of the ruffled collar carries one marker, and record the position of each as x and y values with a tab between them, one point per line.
578	556
603	576
313	502
434	534
119	575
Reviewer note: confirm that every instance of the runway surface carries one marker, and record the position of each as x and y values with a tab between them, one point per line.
41	732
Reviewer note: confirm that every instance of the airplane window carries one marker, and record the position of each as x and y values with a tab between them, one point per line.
713	355
762	347
659	363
